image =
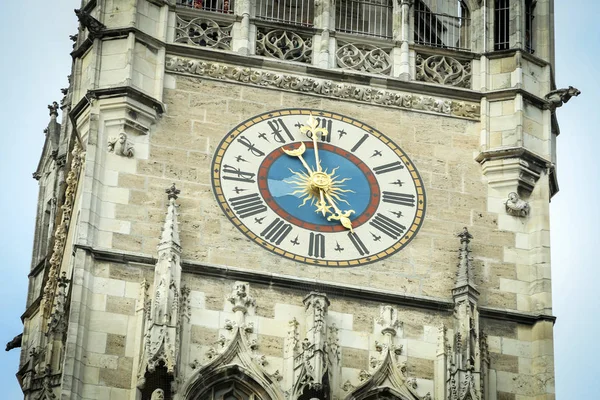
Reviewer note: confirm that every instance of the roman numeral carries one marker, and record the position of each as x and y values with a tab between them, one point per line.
327	124
359	143
277	126
382	169
316	245
399	198
360	246
387	226
250	146
247	205
237	174
276	231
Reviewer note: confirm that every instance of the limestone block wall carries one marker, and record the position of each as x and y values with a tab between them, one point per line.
520	355
181	147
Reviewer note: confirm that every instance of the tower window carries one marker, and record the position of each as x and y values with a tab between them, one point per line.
501	24
222	6
446	25
364	17
296	12
529	32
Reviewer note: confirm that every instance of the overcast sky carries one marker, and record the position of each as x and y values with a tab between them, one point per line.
35	46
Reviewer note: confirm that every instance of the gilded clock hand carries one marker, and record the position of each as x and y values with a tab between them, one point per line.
298	153
312	127
339	215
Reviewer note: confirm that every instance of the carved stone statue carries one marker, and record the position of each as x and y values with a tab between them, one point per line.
158	394
557	98
515	206
121	146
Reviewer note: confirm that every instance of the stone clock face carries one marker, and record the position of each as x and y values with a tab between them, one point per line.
361	202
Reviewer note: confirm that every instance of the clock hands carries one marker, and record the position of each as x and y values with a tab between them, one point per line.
319	183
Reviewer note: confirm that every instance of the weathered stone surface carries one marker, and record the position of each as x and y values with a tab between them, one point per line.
271	345
503	362
419	368
120	305
115	345
119	377
204	336
355	358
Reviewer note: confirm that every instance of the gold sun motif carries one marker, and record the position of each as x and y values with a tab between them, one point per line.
310	186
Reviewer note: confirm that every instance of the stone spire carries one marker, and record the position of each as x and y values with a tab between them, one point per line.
459	363
464	275
163	321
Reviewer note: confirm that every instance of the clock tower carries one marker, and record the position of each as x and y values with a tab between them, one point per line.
298	199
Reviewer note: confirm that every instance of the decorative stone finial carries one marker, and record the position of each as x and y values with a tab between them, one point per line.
515	206
557	98
240	298
464	275
172	192
53	108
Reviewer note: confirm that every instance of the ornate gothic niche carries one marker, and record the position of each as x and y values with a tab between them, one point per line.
233	374
387	382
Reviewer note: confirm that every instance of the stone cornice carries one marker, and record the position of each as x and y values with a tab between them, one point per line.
492	55
127	91
331	288
343	85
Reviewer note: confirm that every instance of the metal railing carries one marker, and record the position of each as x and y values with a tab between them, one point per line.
219	6
364	17
294	12
441	30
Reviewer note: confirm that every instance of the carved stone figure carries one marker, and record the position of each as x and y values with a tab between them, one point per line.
557	98
121	146
158	394
515	206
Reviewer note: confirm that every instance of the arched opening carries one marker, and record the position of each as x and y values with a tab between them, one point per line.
383	393
158	379
231	383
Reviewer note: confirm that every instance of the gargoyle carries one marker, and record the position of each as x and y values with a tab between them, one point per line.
557	98
15	343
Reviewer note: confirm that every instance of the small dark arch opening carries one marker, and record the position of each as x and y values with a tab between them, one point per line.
159	379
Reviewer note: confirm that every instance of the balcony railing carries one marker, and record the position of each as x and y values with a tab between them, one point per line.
220	6
441	30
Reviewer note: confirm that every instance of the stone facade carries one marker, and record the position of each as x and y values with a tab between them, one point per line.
138	294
